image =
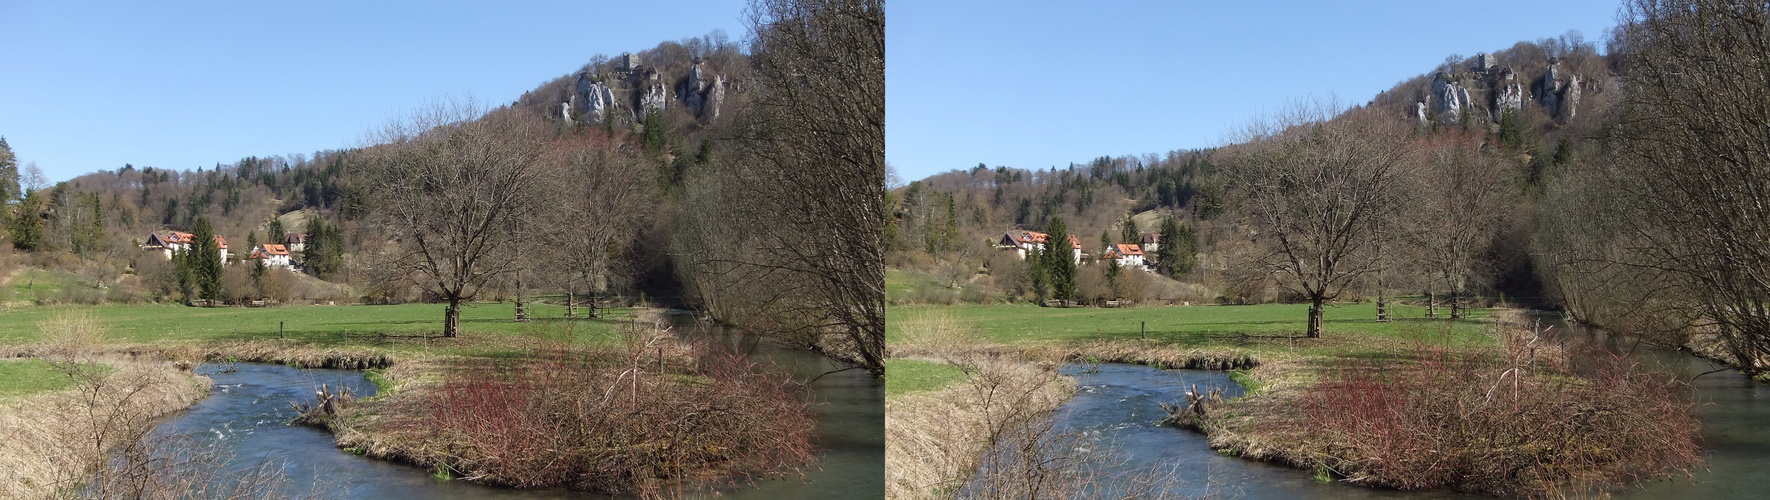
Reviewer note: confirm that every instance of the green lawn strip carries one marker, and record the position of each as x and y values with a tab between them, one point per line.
903	376
319	326
23	377
1347	327
29	283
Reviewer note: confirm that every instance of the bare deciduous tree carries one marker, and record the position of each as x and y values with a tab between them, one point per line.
1313	188
1693	158
451	185
1466	194
602	199
806	183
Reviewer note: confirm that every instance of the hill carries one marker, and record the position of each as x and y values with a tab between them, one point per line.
1533	107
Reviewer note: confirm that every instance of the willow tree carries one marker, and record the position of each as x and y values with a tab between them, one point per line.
451	185
1312	185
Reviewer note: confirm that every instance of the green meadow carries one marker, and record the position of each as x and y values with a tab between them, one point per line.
317	325
1188	325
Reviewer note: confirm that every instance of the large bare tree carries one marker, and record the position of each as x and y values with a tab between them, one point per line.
1693	157
452	185
1314	187
603	197
1466	193
800	197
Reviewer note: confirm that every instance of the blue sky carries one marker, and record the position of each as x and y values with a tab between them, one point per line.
86	86
1033	85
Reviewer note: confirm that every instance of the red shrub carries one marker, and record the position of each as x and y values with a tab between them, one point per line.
1501	423
620	421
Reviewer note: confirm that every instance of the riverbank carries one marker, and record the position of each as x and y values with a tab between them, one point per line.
1307	406
57	439
688	413
652	413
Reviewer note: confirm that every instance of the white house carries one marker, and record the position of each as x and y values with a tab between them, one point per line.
273	255
1151	241
172	241
1128	255
1028	240
297	241
169	242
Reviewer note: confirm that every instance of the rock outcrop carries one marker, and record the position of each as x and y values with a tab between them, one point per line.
1450	98
1570	98
1560	99
1508	94
592	98
656	96
702	94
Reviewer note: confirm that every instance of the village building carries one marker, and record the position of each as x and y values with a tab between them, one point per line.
178	241
272	254
297	242
1021	243
1151	242
1126	254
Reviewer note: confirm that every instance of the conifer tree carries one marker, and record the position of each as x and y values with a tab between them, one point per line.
205	260
1060	261
274	233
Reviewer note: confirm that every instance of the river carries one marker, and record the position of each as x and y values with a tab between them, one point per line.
247	413
1117	406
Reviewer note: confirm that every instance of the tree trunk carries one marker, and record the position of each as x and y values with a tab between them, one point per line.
1456	304
1382	306
568	304
452	318
1315	317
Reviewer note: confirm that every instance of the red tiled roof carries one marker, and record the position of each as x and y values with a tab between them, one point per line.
1128	249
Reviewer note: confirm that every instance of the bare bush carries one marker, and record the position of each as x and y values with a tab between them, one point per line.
632	418
1513	421
56	440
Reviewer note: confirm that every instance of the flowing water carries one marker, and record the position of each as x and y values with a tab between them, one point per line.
247	413
1117	406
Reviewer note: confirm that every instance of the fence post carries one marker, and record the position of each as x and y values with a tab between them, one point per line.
281	334
1143	329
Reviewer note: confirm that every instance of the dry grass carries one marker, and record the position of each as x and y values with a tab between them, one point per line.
994	434
934	441
55	441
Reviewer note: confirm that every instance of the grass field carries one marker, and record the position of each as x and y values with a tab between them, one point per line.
27	376
32	283
1186	325
325	326
904	376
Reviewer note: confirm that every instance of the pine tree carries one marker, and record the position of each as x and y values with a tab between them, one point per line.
1176	253
324	252
275	234
8	173
1060	260
205	260
26	229
187	280
1128	231
1038	272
